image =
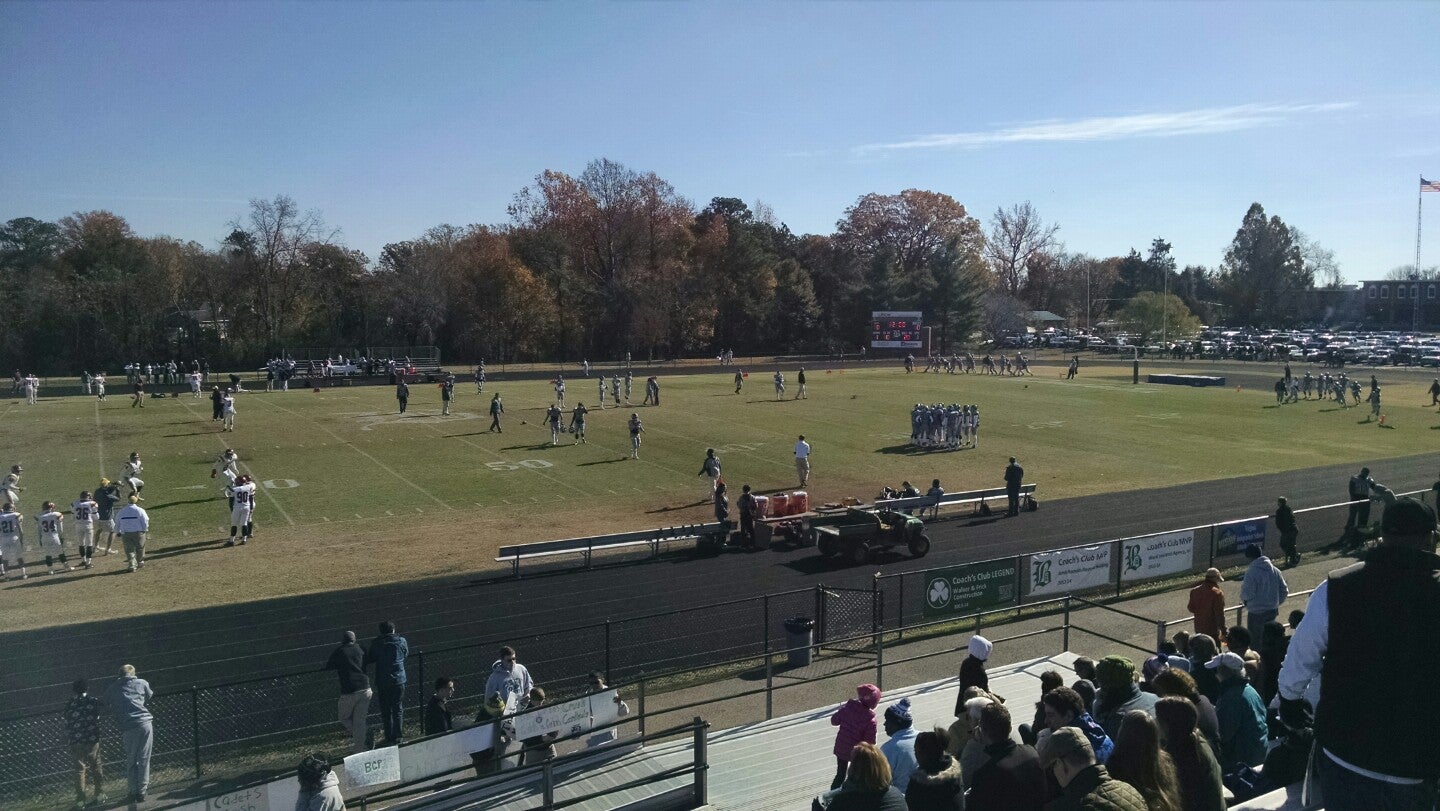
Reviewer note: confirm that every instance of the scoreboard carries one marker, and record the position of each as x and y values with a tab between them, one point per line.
895	330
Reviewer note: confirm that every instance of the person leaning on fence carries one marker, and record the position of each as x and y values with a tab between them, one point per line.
1289	531
492	712
126	698
1372	630
353	707
539	748
319	786
82	733
438	716
388	652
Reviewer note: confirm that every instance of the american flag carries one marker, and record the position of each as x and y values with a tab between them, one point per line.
1429	185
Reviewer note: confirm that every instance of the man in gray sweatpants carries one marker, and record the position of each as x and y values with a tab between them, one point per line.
126	699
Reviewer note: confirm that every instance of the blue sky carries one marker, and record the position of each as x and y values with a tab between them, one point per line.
1119	121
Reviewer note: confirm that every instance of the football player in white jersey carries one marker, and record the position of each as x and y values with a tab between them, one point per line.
560	390
52	538
242	511
195	384
84	509
99	382
227	462
12	542
130	475
10	488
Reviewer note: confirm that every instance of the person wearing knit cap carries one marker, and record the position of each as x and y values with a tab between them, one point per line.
1207	604
972	669
899	749
348	662
1118	694
1371	630
856	720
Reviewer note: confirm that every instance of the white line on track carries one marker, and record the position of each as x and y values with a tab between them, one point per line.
352	446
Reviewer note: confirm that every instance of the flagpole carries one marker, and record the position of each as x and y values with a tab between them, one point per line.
1419	204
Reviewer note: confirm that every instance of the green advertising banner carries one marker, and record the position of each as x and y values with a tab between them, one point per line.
969	588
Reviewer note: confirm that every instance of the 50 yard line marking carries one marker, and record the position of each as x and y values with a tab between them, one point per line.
356	448
251	473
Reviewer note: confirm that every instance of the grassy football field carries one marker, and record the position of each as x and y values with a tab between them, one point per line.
354	493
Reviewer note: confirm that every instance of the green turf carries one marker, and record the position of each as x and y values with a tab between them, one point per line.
346	475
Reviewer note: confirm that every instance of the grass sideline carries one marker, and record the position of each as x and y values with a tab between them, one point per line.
348	479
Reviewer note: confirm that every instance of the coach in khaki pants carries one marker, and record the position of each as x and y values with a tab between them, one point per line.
348	662
133	522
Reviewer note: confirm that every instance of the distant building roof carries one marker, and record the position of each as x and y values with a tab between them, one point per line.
1045	316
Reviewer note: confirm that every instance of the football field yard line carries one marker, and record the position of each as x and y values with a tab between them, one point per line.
352	446
99	438
251	473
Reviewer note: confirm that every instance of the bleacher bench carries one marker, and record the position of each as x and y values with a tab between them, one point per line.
974	497
712	532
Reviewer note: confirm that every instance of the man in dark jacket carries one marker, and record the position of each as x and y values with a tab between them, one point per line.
1289	532
348	662
1011	777
1084	783
387	652
747	517
1373	629
1014	476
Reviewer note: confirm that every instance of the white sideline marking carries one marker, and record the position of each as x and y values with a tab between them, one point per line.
325	519
99	436
387	512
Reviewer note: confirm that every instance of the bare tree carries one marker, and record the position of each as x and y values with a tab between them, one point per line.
1319	260
1017	235
1403	272
270	248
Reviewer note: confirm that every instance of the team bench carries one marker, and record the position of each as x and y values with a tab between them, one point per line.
713	532
973	497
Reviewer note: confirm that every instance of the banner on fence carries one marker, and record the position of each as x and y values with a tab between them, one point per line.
1078	569
437	755
569	718
372	768
1231	539
1157	555
963	589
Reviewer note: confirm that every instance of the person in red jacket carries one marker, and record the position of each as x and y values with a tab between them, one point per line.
1207	603
856	719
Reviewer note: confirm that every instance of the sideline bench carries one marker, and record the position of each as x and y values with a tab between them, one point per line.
652	538
975	497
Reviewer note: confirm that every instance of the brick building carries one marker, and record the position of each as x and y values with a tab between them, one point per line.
1391	302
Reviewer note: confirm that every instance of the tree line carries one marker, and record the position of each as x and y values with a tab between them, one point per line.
594	265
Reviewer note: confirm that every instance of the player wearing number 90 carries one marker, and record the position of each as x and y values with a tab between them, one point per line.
242	512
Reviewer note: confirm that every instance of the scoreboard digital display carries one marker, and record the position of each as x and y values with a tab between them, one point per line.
896	330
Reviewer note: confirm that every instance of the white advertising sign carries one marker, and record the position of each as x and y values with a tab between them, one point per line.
1157	555
1067	570
569	718
372	768
433	756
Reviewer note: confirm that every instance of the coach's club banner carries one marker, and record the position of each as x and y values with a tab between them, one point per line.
1068	570
1157	555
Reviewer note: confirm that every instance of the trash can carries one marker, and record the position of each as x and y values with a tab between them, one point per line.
799	638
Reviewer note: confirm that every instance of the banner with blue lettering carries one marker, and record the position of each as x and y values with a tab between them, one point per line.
1231	539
